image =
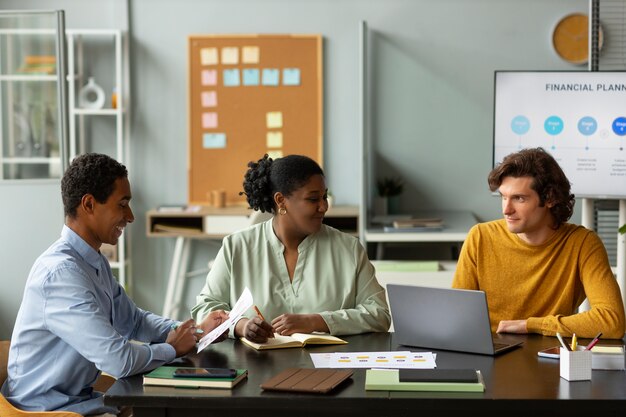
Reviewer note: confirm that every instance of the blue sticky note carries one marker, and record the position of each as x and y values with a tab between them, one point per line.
231	77
214	140
250	76
291	76
270	76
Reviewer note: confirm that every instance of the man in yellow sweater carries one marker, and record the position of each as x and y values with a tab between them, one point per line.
535	268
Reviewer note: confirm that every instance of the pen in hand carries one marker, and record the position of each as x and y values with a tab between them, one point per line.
198	331
565	345
593	342
258	313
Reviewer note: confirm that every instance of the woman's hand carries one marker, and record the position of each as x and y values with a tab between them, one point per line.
288	324
256	329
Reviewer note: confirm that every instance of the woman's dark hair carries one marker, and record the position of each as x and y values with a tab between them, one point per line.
268	176
89	173
549	180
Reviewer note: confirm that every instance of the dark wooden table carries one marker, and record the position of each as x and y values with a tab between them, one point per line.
518	383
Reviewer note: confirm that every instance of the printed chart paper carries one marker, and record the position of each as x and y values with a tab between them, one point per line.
394	360
243	303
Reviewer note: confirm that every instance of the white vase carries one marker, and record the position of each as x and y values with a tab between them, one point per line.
91	96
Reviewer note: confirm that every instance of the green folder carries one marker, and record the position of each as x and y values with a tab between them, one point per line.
389	380
407	266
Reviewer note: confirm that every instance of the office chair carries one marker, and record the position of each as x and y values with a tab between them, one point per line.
6	408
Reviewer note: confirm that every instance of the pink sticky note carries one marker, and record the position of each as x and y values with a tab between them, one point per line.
209	99
209	120
209	77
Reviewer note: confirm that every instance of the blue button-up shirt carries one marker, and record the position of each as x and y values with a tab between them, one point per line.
75	321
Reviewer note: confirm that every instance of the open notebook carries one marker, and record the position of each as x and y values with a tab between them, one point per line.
295	340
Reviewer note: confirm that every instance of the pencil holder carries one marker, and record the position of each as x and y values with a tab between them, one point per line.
575	365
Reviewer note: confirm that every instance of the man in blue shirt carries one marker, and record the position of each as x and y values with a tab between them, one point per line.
75	320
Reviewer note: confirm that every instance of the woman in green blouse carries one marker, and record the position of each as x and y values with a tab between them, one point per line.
304	276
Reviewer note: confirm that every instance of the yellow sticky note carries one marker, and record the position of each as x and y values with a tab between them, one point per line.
250	54
230	55
275	154
274	139
208	56
274	120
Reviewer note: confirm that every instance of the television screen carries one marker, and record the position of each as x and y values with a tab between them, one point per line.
579	117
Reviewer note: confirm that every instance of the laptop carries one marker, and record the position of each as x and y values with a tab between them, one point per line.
444	318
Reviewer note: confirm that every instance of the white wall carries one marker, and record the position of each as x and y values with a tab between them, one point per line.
432	97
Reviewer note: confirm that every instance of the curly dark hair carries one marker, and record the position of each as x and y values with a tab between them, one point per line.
90	173
549	180
267	176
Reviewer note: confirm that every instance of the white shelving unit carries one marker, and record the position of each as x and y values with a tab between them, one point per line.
31	102
79	42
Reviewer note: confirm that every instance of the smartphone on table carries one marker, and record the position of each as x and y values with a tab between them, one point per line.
205	373
552	352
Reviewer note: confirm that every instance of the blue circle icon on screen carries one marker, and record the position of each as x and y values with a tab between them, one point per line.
553	125
520	125
619	126
587	126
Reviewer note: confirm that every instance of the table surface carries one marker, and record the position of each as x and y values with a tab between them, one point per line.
519	380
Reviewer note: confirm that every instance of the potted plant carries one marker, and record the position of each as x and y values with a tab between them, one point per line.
389	188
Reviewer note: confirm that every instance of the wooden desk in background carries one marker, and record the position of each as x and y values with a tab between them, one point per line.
211	223
518	383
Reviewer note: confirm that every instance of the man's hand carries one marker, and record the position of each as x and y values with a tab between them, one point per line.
288	324
512	326
183	338
210	322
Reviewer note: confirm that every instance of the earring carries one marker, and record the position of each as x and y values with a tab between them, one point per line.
282	211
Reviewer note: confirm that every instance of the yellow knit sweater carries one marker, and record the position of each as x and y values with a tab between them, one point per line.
544	284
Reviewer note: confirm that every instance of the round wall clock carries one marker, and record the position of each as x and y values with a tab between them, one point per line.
570	38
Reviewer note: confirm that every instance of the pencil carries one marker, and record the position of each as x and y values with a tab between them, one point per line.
258	312
565	345
593	342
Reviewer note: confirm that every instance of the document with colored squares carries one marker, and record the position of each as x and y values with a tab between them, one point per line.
395	360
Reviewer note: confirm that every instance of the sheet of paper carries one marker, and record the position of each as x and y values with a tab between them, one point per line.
208	56
274	119
209	77
291	76
243	303
321	360
230	55
214	140
274	139
394	360
250	54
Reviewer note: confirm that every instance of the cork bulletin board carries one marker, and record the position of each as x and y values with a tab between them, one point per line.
250	95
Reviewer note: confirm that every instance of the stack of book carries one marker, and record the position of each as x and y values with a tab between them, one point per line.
416	225
164	376
38	64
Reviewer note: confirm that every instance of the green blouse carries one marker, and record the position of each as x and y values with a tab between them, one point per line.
333	277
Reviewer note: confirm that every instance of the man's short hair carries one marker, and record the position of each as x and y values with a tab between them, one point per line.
549	180
90	173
